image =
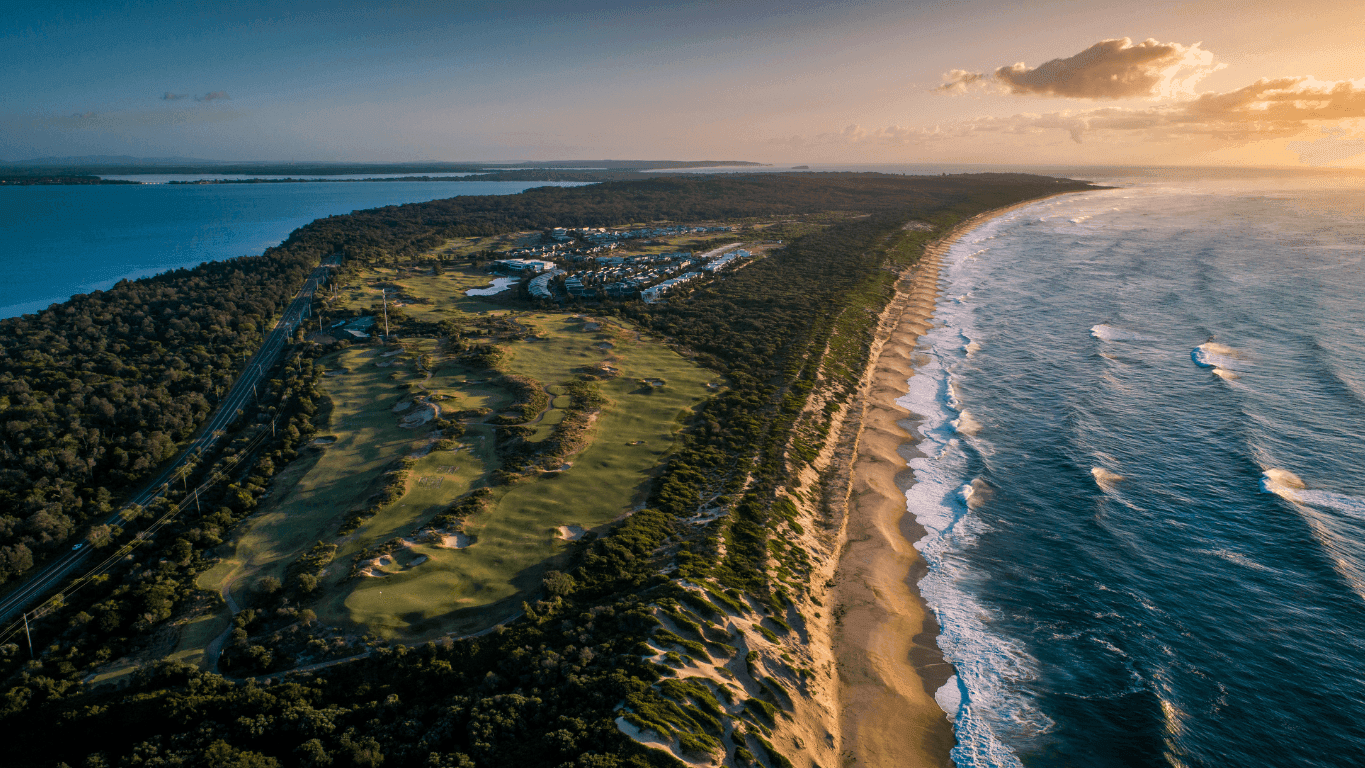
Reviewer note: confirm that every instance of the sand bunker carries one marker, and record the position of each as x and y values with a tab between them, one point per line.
571	532
403	406
424	413
393	353
454	540
325	440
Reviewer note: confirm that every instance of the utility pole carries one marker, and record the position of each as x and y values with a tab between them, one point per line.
29	635
386	315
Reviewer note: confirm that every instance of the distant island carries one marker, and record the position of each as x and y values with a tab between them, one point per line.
43	179
56	170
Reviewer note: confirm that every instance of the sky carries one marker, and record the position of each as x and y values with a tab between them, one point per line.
1157	82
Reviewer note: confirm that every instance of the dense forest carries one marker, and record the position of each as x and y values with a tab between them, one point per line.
99	390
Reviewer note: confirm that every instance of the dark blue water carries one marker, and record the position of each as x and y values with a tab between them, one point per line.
59	241
1144	482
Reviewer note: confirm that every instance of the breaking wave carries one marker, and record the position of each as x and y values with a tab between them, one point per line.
1291	487
1107	332
1217	356
1105	479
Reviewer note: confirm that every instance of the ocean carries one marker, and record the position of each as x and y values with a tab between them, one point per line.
58	241
1142	486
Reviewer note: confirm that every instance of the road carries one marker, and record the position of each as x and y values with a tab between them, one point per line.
56	572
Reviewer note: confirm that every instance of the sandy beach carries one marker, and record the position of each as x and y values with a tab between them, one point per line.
884	639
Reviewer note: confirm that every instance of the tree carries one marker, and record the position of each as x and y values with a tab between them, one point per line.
268	585
558	584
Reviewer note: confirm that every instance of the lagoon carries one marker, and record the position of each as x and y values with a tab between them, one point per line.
59	241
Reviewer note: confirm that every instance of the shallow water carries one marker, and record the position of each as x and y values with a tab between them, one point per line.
1162	387
58	241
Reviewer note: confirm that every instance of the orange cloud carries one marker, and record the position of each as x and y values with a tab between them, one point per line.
1109	69
1266	109
1334	147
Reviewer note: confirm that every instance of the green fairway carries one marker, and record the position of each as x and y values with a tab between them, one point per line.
464	590
314	494
425	589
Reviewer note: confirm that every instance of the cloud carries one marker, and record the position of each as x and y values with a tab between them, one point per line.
214	96
962	81
1331	149
134	119
1109	69
174	96
1266	109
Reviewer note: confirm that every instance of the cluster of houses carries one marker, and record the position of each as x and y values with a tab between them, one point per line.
522	266
596	273
561	251
601	235
587	244
649	276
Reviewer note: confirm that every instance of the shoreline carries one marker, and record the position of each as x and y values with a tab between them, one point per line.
885	634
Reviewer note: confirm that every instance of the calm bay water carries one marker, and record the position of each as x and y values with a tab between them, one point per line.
59	241
1143	487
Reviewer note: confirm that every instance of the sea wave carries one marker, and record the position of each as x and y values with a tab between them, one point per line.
1291	487
966	424
1219	357
1105	479
1107	332
981	698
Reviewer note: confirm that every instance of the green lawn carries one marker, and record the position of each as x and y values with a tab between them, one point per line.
468	589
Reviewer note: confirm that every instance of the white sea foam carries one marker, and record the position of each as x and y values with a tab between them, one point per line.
1290	487
966	424
949	697
977	493
1107	332
1217	356
1105	479
982	698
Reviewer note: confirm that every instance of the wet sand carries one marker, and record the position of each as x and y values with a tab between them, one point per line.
889	664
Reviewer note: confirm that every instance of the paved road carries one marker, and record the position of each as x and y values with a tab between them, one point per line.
56	572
